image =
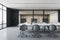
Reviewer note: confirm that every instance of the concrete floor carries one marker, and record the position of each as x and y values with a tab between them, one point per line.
12	33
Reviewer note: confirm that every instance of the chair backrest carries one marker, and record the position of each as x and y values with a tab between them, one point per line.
52	28
23	27
36	27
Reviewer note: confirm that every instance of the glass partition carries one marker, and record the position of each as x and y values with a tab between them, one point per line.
51	16
39	16
25	16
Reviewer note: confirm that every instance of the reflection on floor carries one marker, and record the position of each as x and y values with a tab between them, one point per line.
39	34
12	33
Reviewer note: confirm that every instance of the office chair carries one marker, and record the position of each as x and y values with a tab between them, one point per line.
36	29
23	28
52	28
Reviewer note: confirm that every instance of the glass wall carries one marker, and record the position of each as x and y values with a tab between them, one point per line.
2	16
38	16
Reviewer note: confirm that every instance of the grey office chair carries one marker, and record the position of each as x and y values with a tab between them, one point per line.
23	28
51	29
36	27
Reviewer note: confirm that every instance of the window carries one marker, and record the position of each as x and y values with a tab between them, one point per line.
0	16
4	8
0	19
23	20
4	16
0	6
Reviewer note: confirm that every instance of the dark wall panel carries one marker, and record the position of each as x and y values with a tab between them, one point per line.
59	16
12	17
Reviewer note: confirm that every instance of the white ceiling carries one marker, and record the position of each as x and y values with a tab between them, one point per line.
32	4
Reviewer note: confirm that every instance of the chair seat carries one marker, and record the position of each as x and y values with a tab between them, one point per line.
36	27
23	27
